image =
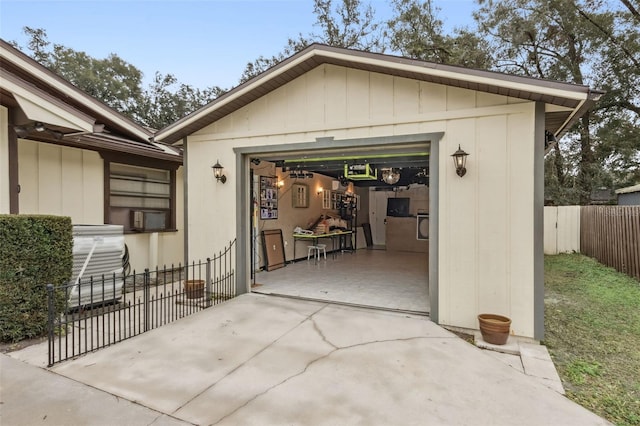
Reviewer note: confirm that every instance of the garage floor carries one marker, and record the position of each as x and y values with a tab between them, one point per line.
377	278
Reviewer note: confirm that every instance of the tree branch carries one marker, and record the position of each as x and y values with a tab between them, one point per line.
613	39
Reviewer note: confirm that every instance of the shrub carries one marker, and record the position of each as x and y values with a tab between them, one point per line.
34	251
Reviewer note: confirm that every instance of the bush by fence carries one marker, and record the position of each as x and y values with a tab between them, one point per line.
611	234
34	250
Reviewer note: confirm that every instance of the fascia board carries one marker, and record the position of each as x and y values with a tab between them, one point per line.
40	106
234	94
580	94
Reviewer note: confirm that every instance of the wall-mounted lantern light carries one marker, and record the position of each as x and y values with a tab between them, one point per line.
460	161
217	172
320	190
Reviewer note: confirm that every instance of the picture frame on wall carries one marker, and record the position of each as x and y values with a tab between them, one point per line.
268	197
300	195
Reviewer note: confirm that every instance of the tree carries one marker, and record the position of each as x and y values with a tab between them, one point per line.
559	40
162	104
416	32
119	84
349	24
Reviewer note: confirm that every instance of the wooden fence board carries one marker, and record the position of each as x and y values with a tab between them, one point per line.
611	234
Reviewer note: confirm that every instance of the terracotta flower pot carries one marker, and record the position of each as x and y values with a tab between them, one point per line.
194	289
494	328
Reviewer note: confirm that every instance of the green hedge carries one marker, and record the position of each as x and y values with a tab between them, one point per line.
34	250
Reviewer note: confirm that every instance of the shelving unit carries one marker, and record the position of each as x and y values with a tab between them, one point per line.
348	208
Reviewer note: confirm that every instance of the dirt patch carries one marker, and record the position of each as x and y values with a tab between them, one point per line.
12	347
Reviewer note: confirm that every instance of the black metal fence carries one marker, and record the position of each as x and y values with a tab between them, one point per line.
91	314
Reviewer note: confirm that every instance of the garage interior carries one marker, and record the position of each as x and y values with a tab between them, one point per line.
381	194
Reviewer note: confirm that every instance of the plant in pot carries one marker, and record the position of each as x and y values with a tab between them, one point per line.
194	289
494	328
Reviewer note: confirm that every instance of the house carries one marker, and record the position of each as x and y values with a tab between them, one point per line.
62	152
629	196
329	123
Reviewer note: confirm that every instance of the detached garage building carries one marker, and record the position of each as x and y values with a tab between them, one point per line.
485	236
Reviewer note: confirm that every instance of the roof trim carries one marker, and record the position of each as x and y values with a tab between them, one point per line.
558	93
31	66
628	189
38	104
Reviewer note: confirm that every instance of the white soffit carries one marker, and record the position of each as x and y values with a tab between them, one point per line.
40	106
46	114
556	108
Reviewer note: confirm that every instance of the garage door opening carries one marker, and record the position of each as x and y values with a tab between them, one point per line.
347	225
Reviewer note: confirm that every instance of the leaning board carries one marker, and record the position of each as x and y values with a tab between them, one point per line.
273	247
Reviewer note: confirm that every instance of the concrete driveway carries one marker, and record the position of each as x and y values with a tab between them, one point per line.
261	360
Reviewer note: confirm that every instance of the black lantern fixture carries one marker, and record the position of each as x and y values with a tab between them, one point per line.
217	172
460	161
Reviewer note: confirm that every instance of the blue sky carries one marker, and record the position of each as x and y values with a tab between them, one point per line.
202	42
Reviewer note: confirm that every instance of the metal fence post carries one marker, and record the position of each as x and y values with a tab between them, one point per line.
50	322
147	310
208	293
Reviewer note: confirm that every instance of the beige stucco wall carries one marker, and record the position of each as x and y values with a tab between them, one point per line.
4	161
486	218
67	181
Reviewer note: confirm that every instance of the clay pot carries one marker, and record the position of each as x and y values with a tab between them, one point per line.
494	328
194	289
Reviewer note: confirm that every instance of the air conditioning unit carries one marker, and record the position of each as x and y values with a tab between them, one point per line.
360	172
148	220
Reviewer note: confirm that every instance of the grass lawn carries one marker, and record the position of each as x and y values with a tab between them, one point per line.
592	330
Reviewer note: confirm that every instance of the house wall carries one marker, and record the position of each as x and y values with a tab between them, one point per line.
4	161
486	226
67	181
629	199
61	181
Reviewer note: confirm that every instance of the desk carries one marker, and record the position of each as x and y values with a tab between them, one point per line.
315	237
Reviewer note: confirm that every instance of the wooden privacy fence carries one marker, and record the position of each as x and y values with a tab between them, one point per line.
611	234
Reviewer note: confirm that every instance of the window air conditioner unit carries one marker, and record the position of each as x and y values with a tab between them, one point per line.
143	220
360	172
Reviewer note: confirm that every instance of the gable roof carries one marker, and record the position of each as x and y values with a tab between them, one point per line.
73	118
571	100
629	189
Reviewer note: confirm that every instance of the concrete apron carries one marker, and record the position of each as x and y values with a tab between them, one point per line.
261	360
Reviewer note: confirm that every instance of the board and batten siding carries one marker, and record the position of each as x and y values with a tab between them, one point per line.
66	181
61	181
486	218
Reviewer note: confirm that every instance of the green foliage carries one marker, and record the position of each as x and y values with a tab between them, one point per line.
584	42
35	251
592	322
166	101
416	32
347	23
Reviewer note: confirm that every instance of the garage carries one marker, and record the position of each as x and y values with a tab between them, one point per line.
361	217
366	111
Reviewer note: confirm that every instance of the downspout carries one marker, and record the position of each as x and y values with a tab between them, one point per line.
185	200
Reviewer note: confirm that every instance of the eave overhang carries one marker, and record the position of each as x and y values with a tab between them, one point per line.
574	99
